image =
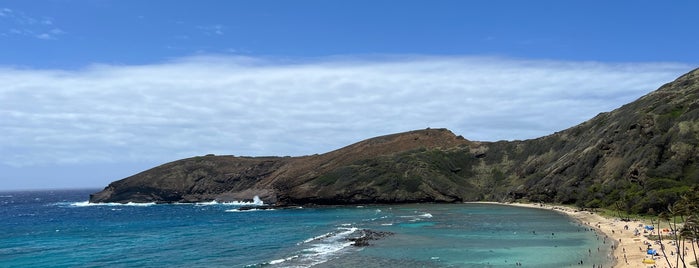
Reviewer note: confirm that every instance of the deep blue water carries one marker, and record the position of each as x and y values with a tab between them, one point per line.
60	229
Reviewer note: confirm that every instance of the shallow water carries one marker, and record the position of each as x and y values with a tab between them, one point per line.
59	229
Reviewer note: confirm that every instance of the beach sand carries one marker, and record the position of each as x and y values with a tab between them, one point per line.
630	250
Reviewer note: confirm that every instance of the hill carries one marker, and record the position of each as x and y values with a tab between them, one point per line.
641	155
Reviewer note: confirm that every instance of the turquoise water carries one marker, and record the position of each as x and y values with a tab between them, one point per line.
60	229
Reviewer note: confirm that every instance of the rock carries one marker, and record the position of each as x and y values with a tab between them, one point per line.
263	207
368	235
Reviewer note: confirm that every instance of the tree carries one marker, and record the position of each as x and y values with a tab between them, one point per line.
683	219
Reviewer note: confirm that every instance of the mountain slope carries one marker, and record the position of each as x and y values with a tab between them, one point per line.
642	154
285	179
648	146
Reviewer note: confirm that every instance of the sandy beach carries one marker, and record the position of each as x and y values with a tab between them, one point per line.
630	249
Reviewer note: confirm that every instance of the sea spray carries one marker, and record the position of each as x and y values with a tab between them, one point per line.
257	201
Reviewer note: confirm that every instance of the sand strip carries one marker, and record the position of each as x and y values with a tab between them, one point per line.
631	248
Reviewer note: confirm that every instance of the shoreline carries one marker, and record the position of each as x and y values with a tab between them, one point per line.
629	249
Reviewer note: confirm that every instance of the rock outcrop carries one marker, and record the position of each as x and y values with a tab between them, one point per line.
315	179
640	155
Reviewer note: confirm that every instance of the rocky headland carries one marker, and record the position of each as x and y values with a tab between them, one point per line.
640	156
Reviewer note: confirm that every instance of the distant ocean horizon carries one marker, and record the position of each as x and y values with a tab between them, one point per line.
59	228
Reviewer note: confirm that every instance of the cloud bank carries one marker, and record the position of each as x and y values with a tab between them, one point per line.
256	106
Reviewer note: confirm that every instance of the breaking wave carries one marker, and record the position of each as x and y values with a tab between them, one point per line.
255	202
88	204
317	249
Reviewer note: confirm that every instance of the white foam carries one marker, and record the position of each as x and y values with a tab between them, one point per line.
417	217
277	261
216	203
257	201
283	260
321	252
210	203
129	204
274	262
320	248
316	238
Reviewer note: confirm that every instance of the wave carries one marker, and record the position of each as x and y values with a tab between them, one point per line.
325	248
88	204
255	202
282	260
317	249
216	203
419	217
316	238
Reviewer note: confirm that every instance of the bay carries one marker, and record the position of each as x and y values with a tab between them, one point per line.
60	229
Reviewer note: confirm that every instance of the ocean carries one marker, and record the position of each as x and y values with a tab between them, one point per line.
61	229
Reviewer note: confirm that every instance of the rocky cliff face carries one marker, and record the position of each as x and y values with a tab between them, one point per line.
640	155
322	179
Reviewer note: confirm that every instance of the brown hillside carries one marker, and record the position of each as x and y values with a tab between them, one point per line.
643	155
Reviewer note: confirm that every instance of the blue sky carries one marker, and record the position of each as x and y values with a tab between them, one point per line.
93	91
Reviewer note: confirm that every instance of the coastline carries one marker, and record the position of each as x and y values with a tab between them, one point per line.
629	250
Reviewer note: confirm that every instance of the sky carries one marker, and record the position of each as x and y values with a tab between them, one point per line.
95	91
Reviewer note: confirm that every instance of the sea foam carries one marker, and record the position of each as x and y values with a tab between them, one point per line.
88	204
216	203
319	248
255	202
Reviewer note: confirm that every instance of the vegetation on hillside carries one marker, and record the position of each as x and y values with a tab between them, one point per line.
682	221
638	158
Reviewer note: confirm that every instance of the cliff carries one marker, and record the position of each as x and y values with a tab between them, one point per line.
640	155
308	179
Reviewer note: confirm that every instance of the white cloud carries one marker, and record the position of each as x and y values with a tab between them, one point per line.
212	29
21	24
4	12
57	31
44	36
253	106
